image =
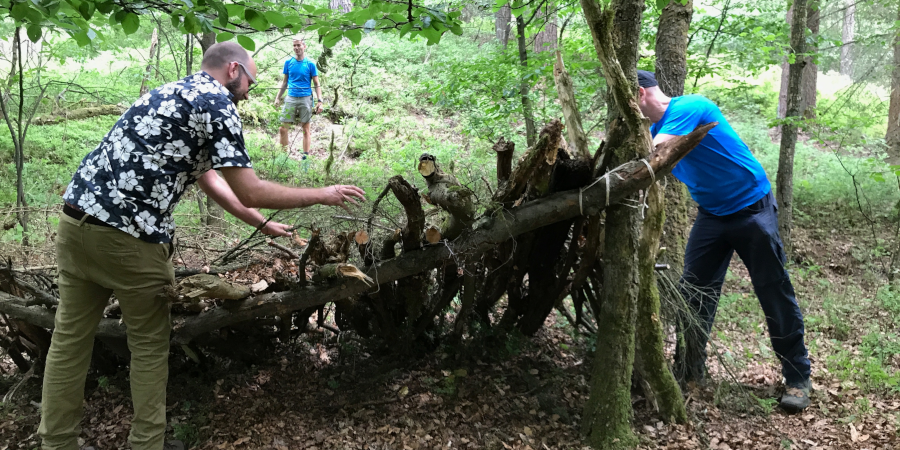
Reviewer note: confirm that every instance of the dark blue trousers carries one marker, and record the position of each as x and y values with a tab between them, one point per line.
753	233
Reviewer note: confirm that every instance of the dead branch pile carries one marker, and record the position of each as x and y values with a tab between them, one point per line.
536	242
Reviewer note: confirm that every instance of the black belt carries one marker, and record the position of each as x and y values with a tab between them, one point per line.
77	215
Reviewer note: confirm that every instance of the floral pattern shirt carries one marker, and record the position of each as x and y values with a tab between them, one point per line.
161	145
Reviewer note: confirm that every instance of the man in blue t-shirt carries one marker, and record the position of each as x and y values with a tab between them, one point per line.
737	212
298	72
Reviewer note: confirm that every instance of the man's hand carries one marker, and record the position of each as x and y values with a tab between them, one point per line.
338	194
276	229
318	107
277	101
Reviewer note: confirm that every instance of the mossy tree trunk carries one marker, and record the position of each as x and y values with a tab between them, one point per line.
650	349
607	414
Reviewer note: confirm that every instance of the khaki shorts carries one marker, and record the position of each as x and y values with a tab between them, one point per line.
297	109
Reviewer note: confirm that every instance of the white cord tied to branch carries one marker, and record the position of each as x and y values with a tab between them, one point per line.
606	177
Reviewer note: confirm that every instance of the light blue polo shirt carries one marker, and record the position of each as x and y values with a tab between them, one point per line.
299	75
721	174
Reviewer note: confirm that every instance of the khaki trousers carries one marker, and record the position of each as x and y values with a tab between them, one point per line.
95	262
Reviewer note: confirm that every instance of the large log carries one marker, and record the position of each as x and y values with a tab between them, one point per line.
80	114
485	233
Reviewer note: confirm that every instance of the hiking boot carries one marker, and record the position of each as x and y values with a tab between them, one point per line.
173	445
796	396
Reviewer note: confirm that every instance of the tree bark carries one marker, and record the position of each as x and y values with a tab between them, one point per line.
502	27
848	31
893	128
607	413
524	85
671	47
810	70
671	73
650	338
546	39
794	112
343	6
566	92
154	48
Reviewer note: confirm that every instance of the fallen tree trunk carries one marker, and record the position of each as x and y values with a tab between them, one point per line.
487	232
80	114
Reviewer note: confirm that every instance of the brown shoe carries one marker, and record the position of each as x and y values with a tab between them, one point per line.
796	396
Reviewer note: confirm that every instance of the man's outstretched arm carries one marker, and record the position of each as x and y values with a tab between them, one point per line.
218	190
255	193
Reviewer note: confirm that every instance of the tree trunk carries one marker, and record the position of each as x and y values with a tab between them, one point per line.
794	112
501	24
524	85
810	72
811	69
671	73
154	48
566	91
207	40
607	413
343	6
848	31
893	128
546	39
650	339
189	55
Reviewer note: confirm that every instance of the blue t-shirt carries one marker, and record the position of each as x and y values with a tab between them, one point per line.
299	75
721	173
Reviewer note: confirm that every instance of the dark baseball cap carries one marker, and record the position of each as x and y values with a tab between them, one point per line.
646	79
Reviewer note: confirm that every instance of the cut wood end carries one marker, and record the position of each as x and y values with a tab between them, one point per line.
432	235
361	237
426	165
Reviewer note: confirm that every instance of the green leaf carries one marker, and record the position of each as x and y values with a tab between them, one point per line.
332	38
105	7
81	38
405	29
276	18
354	35
34	32
309	8
19	11
191	25
256	20
131	23
224	36
456	29
235	10
176	20
221	12
312	27
86	10
660	4
246	42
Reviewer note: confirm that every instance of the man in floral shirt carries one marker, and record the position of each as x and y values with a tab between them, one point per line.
115	234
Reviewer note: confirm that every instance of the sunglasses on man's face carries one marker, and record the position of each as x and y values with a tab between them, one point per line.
252	85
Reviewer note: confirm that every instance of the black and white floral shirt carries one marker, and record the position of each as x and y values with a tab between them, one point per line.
162	144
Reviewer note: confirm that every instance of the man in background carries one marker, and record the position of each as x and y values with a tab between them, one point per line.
737	213
115	234
299	72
